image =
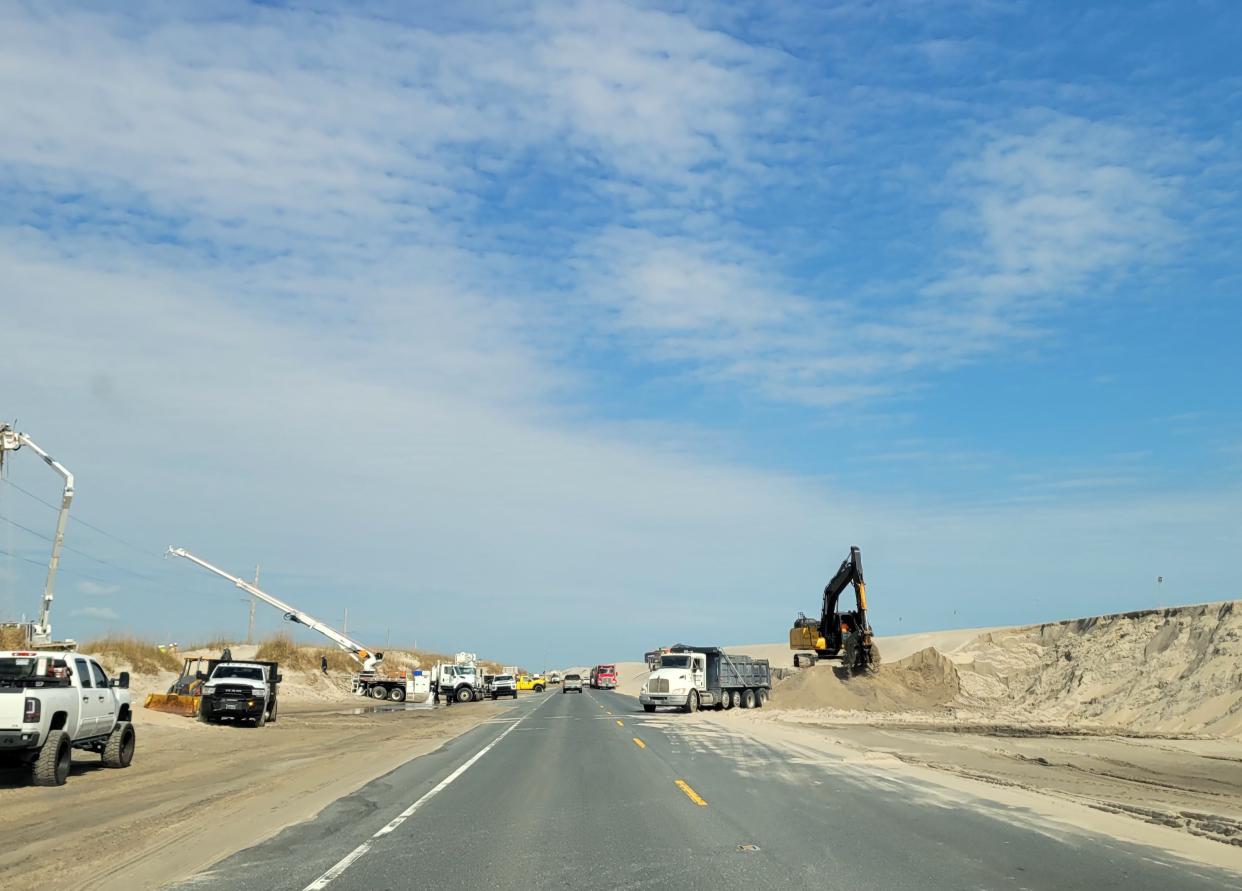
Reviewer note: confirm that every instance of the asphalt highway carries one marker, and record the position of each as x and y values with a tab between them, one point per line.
571	791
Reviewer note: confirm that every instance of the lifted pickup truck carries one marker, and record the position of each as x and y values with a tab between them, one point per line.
52	703
240	691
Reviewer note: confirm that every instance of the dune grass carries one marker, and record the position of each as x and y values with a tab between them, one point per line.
12	637
142	656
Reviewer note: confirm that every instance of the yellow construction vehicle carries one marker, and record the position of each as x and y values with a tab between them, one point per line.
184	695
531	682
835	634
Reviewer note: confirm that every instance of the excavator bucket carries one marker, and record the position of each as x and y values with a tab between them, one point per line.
174	703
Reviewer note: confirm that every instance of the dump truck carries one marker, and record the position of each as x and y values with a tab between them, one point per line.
240	690
690	678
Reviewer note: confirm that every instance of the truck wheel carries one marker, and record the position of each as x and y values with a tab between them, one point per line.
726	701
748	698
51	768
692	702
761	696
464	694
538	688
272	715
119	750
397	694
379	693
261	719
649	708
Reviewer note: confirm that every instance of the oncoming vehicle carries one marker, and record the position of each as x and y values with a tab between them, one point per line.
572	682
503	685
240	691
52	703
604	677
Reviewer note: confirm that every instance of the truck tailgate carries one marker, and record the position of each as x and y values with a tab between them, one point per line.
12	705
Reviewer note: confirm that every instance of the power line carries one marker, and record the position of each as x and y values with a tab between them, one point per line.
76	519
20	557
74	550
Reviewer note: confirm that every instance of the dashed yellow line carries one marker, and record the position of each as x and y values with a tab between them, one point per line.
619	724
638	742
690	793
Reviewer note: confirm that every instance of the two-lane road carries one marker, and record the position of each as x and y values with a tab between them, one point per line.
587	791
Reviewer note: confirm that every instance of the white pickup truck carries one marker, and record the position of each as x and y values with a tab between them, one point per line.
52	703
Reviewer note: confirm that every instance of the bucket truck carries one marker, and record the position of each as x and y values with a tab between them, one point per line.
40	633
368	681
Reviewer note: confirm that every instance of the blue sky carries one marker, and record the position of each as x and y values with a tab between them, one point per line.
559	330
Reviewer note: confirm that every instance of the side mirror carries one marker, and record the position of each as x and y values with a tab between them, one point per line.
121	681
279	678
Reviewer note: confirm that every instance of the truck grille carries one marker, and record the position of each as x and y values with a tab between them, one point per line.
234	692
658	685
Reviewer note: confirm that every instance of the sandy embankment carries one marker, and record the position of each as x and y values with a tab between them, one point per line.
196	793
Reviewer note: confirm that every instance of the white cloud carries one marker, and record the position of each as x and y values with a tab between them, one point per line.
101	613
96	589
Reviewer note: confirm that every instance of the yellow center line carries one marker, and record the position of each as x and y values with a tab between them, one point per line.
690	793
638	742
619	724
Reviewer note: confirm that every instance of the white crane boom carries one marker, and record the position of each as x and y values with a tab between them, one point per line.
11	441
368	659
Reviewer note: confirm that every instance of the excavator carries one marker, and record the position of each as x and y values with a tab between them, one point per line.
835	634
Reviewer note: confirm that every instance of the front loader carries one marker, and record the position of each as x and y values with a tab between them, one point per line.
835	634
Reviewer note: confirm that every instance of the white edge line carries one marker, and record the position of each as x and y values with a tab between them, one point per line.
348	860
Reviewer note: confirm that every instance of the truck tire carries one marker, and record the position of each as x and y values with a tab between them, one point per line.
463	694
261	719
119	750
51	768
761	696
538	688
204	717
397	694
271	717
726	700
649	708
748	698
692	702
378	692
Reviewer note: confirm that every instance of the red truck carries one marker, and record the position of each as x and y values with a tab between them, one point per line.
604	677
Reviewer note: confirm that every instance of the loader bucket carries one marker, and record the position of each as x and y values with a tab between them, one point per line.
174	703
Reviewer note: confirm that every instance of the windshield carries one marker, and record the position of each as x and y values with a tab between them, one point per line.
248	672
674	661
504	679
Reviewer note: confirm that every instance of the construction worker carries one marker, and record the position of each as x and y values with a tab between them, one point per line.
323	664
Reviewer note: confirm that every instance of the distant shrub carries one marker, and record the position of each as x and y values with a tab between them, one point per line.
142	656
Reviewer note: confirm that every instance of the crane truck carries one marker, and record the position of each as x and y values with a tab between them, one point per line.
835	634
40	633
368	681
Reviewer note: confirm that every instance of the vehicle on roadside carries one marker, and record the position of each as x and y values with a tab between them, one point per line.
464	683
53	703
554	678
690	678
503	685
604	677
572	683
532	682
241	691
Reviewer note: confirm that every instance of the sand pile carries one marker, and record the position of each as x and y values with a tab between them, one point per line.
1173	670
1167	671
922	682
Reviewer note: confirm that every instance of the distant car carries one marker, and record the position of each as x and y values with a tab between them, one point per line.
529	682
503	685
572	682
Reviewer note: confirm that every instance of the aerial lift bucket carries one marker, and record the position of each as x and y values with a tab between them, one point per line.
174	703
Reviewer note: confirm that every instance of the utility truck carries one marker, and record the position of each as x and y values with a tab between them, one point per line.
690	678
53	703
462	683
240	691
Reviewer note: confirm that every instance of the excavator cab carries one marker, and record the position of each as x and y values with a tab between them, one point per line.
837	634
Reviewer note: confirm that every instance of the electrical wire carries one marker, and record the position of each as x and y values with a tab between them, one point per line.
77	519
